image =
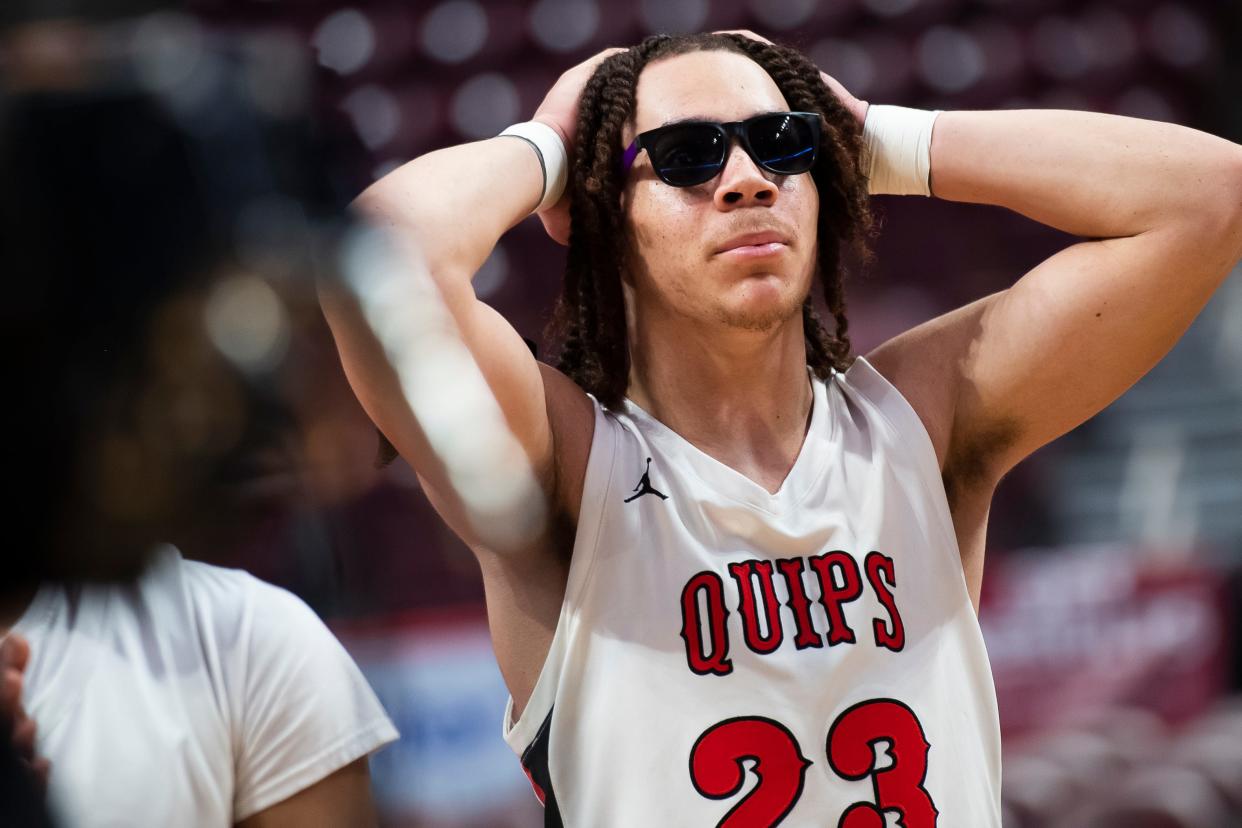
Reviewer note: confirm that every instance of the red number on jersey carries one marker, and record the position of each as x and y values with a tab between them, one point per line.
899	787
718	772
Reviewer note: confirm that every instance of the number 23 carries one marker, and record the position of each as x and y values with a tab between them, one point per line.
717	771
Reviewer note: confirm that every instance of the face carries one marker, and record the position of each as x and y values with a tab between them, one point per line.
689	255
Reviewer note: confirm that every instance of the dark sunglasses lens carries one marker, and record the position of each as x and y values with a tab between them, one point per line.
785	144
688	155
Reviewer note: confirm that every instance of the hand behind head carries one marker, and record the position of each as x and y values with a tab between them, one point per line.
559	110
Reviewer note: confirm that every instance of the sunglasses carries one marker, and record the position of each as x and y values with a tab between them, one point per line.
693	152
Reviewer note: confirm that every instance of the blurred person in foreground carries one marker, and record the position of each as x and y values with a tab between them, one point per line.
765	552
165	691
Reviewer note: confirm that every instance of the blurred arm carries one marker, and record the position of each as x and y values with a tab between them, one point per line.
456	203
449	208
1163	207
339	800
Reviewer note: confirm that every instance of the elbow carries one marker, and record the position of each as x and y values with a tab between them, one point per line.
1213	223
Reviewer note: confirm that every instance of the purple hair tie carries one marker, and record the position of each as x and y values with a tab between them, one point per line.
627	159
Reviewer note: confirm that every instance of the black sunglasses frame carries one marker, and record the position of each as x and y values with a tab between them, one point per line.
729	131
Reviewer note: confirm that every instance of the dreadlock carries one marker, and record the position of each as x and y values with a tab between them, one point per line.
589	320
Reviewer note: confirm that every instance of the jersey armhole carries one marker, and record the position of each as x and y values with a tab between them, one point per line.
907	426
595	491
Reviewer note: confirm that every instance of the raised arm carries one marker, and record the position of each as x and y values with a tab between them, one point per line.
1162	205
448	209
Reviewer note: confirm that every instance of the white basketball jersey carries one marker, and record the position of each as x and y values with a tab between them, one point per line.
727	656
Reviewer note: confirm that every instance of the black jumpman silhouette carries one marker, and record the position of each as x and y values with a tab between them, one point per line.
644	486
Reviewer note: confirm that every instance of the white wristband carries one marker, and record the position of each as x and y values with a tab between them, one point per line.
552	158
897	147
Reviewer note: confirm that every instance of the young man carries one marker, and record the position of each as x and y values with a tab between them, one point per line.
765	558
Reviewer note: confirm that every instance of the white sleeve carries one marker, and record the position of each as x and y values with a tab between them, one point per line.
305	709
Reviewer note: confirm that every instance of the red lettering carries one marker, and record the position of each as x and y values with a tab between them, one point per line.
799	604
705	608
748	605
833	596
898	786
877	565
709	657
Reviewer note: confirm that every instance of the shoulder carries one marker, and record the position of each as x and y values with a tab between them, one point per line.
235	590
272	613
927	391
184	597
247	618
301	708
928	365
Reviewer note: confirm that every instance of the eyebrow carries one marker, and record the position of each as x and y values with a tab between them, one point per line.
698	119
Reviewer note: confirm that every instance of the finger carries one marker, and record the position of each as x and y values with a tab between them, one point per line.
604	54
24	738
10	693
14	652
42	770
832	83
599	57
746	33
855	105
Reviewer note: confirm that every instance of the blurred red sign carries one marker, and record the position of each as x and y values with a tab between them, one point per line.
1070	631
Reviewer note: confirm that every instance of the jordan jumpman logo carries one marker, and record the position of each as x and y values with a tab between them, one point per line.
644	486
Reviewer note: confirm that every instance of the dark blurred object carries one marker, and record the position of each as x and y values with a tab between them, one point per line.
165	201
22	800
23	12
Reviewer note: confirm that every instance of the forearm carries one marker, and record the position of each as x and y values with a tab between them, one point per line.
456	203
1090	174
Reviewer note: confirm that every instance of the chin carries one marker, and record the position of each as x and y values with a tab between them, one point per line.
760	303
757	315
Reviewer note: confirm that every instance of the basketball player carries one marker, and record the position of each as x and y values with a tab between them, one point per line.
758	604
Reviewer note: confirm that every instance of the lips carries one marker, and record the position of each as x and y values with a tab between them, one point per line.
767	239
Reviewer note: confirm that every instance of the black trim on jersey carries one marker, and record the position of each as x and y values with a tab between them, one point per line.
535	762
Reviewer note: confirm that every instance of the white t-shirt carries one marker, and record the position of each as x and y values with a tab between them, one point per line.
197	696
726	655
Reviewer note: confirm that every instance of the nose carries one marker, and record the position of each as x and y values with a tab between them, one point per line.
743	183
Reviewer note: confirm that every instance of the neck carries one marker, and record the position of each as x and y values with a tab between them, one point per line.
741	396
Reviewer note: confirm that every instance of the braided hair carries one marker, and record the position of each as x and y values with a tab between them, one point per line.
589	319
